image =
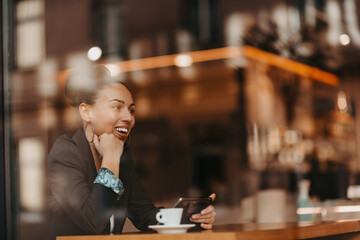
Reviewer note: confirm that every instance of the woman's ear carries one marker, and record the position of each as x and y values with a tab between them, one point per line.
84	111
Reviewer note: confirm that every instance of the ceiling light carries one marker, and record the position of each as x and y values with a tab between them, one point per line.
94	53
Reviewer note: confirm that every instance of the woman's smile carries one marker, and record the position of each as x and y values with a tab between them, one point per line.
121	132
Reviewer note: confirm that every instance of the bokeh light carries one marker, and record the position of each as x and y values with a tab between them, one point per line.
344	39
94	53
114	69
183	60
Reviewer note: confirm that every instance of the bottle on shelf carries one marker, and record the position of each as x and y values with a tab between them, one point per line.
304	204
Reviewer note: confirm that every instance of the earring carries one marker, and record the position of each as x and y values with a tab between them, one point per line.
89	133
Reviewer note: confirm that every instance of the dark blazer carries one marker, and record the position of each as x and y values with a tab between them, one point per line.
77	206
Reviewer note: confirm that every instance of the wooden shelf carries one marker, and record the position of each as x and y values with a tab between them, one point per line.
224	53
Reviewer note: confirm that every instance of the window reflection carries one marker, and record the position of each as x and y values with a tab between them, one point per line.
262	117
30	33
32	174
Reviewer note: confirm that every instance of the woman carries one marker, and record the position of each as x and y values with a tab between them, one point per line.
93	185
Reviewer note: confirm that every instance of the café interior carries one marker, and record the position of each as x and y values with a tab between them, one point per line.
256	101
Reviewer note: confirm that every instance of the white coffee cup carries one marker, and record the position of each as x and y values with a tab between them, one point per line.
169	216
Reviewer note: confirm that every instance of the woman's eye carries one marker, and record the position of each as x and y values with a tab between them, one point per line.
132	111
116	107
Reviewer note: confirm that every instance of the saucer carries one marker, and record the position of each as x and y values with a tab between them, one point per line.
175	229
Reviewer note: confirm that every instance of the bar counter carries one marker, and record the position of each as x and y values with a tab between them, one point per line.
347	229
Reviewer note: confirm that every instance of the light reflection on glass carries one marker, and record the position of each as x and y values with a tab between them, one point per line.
183	41
335	26
309	210
287	18
187	73
139	77
114	69
71	117
29	9
235	27
48	85
342	102
47	117
30	42
142	106
190	95
82	67
31	159
324	211
352	20
310	13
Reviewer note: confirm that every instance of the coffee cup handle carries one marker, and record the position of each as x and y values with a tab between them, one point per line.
160	217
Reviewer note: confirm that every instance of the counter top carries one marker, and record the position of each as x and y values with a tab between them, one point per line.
347	229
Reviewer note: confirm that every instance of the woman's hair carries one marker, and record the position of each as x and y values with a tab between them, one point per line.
83	85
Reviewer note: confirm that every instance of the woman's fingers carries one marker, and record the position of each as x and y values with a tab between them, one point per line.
204	219
206	226
207	210
205	213
213	196
206	216
108	143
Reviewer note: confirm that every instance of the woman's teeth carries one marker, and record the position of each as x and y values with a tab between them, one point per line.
122	130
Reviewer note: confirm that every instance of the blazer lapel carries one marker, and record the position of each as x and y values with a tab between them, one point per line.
82	143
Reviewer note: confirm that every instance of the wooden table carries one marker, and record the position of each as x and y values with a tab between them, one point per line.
349	229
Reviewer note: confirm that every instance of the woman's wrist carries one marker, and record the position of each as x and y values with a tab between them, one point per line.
108	179
111	164
112	155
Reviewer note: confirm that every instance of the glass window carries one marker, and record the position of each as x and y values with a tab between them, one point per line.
255	101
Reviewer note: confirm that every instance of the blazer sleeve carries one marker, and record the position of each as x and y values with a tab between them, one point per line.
89	206
141	210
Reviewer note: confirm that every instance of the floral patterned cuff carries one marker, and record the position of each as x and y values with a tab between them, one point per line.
108	179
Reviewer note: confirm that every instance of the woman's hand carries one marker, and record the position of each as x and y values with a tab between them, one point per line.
110	148
206	217
108	144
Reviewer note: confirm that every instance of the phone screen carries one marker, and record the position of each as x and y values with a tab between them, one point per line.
192	206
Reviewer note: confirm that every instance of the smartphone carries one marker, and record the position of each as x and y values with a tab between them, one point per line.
192	206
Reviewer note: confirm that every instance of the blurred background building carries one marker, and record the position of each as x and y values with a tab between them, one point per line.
242	98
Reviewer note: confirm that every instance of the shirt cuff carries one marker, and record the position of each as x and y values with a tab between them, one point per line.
108	179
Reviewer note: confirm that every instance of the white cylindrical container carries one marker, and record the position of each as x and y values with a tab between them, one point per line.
271	206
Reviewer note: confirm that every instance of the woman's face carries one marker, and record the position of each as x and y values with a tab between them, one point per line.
113	111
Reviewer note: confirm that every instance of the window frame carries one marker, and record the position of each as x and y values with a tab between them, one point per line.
8	195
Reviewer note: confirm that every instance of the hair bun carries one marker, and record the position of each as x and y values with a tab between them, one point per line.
83	84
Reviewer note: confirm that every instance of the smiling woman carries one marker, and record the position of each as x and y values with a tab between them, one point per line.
93	186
